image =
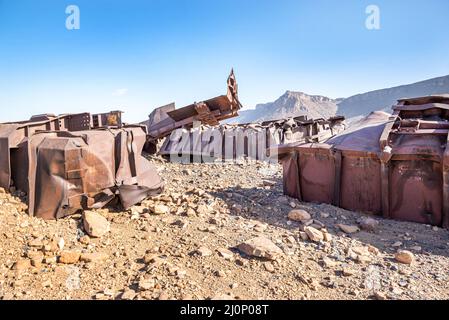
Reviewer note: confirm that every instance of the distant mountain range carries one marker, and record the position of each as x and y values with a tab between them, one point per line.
288	105
294	103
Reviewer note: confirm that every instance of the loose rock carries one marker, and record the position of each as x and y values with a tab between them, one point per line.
405	257
369	224
94	257
128	295
160	209
203	251
69	257
314	234
22	265
299	215
146	284
260	247
269	267
225	253
95	224
348	229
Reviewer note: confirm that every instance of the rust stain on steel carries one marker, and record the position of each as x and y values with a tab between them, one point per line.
76	161
165	119
395	165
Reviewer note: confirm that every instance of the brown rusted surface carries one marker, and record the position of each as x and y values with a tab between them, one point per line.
341	171
164	120
13	134
76	161
391	165
87	169
247	141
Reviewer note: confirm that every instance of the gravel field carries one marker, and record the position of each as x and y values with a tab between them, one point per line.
219	232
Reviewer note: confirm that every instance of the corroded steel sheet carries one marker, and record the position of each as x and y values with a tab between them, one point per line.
87	169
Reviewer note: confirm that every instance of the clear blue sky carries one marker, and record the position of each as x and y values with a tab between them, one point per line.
137	55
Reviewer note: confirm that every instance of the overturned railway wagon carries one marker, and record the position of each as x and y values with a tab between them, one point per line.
247	141
72	162
395	165
12	134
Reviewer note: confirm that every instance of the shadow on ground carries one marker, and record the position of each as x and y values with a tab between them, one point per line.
269	205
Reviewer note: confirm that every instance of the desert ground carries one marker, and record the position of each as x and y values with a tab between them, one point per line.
219	232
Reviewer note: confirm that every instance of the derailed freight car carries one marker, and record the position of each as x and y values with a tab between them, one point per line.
12	134
395	165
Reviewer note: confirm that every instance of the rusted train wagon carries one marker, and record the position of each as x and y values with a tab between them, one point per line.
395	165
69	171
79	161
12	134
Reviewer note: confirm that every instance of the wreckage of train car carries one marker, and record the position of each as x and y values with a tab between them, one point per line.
162	121
395	165
75	161
245	141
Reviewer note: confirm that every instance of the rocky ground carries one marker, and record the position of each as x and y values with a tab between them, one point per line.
219	232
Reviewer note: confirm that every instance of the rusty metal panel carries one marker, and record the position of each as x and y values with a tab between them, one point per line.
77	122
5	163
361	182
19	166
290	168
317	172
416	191
112	119
87	169
159	122
9	138
437	98
136	178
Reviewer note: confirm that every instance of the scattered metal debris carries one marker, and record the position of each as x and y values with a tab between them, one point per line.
391	165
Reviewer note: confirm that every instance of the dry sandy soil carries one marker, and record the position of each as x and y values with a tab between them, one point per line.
183	245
